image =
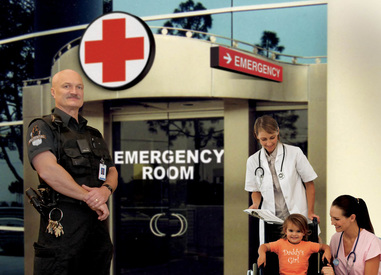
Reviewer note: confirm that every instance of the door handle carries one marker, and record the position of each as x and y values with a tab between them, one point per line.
183	225
153	225
155	230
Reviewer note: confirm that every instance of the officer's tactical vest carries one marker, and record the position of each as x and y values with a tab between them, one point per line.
79	153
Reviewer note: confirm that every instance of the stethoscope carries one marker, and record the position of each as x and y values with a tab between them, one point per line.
280	175
336	260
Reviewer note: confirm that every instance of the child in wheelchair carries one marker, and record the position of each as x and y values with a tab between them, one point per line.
293	249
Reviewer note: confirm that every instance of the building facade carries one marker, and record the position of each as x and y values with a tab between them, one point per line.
180	139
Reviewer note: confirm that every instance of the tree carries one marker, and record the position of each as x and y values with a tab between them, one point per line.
269	42
107	6
17	65
16	18
287	121
197	23
193	128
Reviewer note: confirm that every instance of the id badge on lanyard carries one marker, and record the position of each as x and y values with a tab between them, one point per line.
102	170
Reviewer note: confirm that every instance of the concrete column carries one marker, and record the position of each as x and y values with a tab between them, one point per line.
236	144
353	100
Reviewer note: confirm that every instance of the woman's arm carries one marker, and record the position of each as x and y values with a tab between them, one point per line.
256	198
310	192
372	266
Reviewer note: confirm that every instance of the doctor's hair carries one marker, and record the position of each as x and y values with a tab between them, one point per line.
299	221
351	205
266	123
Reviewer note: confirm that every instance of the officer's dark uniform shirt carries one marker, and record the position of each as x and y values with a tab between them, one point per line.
42	138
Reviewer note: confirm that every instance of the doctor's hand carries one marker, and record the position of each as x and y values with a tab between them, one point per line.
256	198
311	216
254	206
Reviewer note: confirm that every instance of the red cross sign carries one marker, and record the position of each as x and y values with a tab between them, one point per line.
117	50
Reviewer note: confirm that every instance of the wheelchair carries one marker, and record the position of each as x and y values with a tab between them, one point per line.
272	234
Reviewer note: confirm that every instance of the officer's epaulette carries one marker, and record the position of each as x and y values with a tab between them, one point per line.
52	120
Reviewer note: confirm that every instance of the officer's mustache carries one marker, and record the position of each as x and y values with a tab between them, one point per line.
74	96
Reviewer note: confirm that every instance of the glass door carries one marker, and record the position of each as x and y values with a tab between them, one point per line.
168	208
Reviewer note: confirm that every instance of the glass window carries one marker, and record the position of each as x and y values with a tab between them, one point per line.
221	23
290	26
11	166
293	126
302	31
11	200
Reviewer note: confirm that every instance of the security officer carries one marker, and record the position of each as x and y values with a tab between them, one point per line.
76	171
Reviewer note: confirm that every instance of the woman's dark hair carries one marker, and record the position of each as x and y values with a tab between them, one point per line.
351	205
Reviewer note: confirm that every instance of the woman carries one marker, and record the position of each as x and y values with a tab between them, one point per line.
280	174
354	247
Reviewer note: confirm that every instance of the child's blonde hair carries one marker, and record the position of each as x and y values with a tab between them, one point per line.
300	221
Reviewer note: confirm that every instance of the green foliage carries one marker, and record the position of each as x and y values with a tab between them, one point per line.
269	42
16	18
197	23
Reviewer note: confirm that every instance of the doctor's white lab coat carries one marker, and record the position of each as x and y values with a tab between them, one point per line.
296	170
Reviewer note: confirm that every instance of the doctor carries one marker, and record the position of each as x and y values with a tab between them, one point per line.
280	174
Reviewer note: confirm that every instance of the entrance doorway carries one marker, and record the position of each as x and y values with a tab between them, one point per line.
168	208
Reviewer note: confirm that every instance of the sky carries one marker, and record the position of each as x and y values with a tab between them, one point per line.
302	30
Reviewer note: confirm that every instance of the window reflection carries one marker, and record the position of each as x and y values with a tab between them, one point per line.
11	198
11	166
293	126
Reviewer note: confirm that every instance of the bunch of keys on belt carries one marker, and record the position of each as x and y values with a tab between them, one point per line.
55	227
